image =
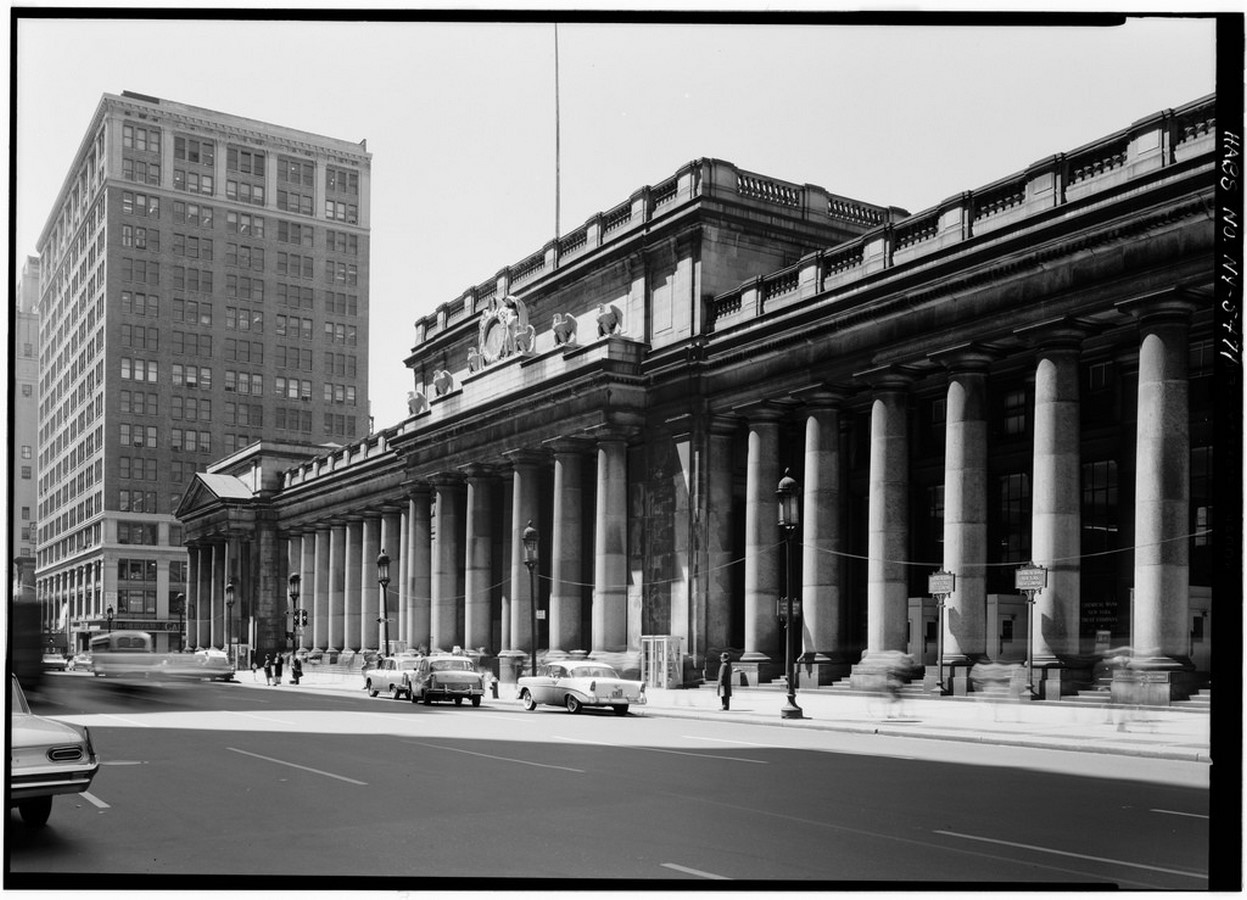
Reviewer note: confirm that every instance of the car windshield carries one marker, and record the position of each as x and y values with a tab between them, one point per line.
19	699
593	672
444	665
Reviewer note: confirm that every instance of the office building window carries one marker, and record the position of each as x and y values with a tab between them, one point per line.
194	150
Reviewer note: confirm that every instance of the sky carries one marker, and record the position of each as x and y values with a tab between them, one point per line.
460	117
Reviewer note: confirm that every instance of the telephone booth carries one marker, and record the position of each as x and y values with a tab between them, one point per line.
662	664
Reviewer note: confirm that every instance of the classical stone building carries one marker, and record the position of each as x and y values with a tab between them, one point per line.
1019	376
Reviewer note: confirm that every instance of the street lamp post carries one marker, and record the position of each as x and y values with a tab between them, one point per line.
788	495
109	613
383	579
294	580
229	616
181	602
530	560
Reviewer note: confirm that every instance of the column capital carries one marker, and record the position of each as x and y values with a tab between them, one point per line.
967	357
822	395
1062	332
479	471
446	479
1174	304
721	425
416	488
526	457
890	377
764	410
568	445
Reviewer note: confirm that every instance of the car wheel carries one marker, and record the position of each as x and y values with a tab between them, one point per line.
458	701
573	705
36	811
621	709
529	703
411	694
476	701
396	693
371	692
428	701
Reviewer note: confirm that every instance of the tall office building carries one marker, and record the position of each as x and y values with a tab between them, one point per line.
204	283
24	423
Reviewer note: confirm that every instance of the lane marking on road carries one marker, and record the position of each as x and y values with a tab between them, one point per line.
245	715
698	872
124	719
282	762
702	737
1100	859
91	798
525	762
760	762
1175	812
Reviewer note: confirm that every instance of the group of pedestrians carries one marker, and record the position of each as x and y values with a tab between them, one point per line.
272	666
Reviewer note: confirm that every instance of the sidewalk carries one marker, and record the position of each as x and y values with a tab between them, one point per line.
1129	731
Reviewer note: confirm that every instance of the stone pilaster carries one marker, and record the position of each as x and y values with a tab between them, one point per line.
419	587
478	557
762	553
567	572
821	654
337	588
1162	499
352	594
887	584
320	595
369	590
525	507
610	545
965	513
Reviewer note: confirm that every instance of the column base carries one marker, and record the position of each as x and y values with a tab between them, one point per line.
953	681
511	665
1152	687
754	669
817	669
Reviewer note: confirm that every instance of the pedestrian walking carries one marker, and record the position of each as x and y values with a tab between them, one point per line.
277	669
268	668
725	680
296	670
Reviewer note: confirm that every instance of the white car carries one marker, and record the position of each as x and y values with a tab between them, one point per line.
446	677
391	675
46	758
576	684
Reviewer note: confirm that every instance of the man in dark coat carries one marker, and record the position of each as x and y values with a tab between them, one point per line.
725	680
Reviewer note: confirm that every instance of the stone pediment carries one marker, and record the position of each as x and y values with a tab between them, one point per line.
210	490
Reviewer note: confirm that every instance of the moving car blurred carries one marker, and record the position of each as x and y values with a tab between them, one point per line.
579	683
446	677
79	662
391	675
54	662
46	758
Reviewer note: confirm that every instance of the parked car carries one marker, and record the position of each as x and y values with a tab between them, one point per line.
391	675
54	662
79	662
579	683
447	677
46	758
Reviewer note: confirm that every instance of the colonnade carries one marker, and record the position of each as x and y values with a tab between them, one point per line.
79	589
1160	608
440	542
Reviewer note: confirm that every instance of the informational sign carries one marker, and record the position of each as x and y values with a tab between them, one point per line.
781	608
941	582
1030	578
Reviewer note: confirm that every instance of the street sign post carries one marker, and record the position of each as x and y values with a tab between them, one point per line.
1030	579
941	584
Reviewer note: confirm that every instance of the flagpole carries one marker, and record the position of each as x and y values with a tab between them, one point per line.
556	131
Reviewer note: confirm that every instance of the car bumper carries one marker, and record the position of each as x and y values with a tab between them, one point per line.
46	784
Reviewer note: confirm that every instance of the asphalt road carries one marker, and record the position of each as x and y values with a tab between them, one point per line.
233	784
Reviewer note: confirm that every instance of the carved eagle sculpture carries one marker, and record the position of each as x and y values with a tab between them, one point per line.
564	329
610	320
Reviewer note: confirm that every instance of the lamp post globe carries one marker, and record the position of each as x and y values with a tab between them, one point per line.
529	539
788	495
